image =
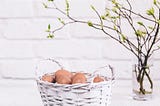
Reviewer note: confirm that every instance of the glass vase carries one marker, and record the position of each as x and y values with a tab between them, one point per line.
142	83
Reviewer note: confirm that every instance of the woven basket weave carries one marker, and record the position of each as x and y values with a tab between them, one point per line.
88	94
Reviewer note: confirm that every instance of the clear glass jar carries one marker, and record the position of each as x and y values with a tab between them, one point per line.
142	83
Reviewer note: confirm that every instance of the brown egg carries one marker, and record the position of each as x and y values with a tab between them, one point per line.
63	73
63	80
79	78
48	78
78	74
98	79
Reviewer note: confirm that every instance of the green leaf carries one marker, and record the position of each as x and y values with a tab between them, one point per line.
114	10
49	26
113	17
150	27
45	5
155	2
144	32
115	28
123	37
103	17
140	33
67	7
114	1
50	36
158	21
150	11
140	23
61	21
93	7
90	23
107	13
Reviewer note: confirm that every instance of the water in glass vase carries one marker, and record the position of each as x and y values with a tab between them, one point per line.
142	83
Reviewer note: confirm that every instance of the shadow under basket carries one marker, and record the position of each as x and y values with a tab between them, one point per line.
88	94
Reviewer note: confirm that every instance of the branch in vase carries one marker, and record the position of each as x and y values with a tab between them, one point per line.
155	37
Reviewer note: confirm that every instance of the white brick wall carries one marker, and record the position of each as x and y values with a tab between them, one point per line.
78	47
81	49
16	49
16	8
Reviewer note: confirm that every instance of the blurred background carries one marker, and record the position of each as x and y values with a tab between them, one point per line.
23	41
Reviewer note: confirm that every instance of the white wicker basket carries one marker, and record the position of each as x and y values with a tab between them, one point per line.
89	94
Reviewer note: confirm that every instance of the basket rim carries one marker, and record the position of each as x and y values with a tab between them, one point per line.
91	75
78	84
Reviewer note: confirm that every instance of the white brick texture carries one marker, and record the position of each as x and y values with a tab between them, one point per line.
40	11
88	49
16	49
83	31
78	47
22	68
16	8
76	8
2	28
114	50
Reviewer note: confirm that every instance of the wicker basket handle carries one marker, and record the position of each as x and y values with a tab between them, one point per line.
54	61
48	59
110	68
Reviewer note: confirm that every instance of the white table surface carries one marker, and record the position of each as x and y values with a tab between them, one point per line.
25	93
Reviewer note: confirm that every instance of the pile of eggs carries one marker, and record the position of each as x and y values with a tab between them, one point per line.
65	77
